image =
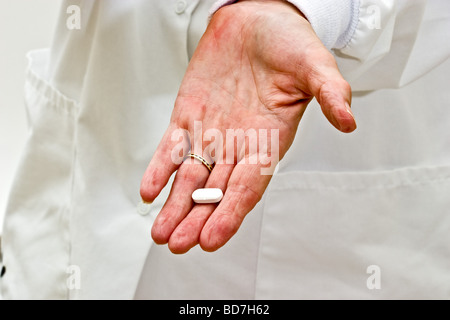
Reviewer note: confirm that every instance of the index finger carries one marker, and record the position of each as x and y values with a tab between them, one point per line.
167	159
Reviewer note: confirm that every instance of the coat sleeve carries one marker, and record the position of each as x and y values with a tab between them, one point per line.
372	40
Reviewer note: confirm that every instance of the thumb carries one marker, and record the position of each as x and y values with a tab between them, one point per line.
331	91
334	97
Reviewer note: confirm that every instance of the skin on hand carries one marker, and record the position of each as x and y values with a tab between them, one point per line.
257	66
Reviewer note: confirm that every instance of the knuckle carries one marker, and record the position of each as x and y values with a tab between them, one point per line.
248	195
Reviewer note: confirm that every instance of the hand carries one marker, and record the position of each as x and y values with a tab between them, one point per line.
257	66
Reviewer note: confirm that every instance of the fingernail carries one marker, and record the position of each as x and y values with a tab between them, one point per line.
349	109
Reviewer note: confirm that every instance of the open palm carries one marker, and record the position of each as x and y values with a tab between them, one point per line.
255	70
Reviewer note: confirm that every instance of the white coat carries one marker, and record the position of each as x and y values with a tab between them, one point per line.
365	215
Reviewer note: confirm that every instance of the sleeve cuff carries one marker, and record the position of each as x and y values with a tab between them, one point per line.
333	21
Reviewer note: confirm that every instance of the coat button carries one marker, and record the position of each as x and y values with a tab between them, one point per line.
180	6
144	208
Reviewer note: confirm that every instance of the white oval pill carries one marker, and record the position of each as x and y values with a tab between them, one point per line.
207	195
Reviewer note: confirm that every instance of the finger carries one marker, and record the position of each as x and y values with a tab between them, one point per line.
190	176
187	233
334	98
168	156
245	188
330	89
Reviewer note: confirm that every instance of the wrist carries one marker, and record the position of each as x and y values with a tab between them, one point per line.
333	21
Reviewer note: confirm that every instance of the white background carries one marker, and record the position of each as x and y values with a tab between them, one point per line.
24	25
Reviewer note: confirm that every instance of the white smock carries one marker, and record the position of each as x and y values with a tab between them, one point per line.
363	215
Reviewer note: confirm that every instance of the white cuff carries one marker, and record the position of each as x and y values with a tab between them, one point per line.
333	21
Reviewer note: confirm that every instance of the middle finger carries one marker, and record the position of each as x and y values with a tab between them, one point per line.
191	175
